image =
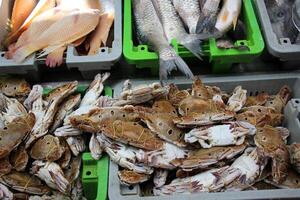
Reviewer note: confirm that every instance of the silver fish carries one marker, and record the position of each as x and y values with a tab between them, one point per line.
208	17
150	31
189	11
174	28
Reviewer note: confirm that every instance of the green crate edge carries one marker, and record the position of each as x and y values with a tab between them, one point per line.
94	173
221	59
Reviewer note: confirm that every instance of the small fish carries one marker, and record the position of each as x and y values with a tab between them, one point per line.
150	31
189	11
229	15
174	28
208	17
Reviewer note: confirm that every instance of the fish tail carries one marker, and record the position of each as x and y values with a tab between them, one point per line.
170	61
193	44
205	23
21	54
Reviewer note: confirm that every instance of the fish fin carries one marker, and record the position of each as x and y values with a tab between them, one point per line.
235	20
48	50
192	43
205	23
21	54
55	58
170	61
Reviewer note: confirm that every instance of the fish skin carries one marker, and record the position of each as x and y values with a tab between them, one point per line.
228	15
42	6
174	28
68	29
38	25
189	11
208	16
21	10
150	31
100	35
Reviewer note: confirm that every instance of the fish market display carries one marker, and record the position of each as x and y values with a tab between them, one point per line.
285	19
34	162
193	140
49	26
189	22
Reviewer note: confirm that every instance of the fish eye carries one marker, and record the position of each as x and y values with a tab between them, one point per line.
6	86
124	115
160	124
297	181
48	143
170	131
259	110
280	14
99	116
15	88
112	112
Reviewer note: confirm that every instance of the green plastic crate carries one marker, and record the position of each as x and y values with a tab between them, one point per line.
221	59
94	174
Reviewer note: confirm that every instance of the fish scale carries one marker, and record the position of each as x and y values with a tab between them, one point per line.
150	31
189	11
174	28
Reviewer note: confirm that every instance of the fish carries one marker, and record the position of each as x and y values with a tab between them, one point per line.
42	6
150	31
75	25
280	13
38	25
189	11
20	12
174	28
229	15
208	16
100	35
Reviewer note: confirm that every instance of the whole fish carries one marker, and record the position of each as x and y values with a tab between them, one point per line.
150	31
174	28
75	25
208	17
189	11
229	15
